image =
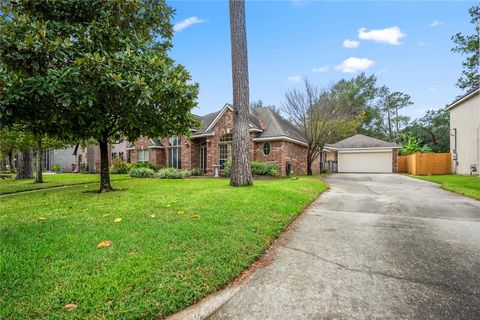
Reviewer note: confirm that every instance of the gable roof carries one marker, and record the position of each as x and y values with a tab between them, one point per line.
275	126
470	94
360	141
269	124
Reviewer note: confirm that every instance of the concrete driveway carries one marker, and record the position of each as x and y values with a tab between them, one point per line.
374	246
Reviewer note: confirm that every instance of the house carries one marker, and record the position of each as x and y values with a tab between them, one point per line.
272	139
76	158
363	154
465	133
64	158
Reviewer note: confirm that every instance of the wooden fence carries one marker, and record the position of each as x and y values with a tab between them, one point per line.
425	163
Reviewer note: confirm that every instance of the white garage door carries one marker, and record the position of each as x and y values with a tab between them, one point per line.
365	162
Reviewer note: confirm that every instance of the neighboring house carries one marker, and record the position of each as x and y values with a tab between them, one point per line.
65	158
360	153
76	158
465	133
272	139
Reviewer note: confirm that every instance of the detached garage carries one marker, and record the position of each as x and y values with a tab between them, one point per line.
362	154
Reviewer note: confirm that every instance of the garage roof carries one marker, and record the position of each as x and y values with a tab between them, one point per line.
360	141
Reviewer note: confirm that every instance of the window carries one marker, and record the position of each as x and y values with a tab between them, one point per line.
223	156
142	155
175	152
226	138
266	148
174	141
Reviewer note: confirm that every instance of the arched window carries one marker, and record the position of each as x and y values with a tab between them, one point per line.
266	148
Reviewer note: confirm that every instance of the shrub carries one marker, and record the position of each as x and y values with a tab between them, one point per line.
195	172
56	168
264	168
227	168
413	145
142	173
119	167
172	173
144	165
258	168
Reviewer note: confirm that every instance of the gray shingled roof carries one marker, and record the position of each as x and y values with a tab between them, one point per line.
265	119
276	126
362	141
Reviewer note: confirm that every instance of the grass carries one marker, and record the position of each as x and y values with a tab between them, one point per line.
465	185
51	180
178	241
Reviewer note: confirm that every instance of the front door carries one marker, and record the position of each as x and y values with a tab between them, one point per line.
203	157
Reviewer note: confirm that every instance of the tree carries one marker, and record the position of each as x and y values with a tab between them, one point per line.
469	45
241	174
412	145
357	96
389	103
27	53
259	104
433	129
321	117
22	142
110	75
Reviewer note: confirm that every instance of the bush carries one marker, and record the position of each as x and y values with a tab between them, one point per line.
227	168
142	173
144	165
258	168
195	172
119	167
56	168
264	168
172	173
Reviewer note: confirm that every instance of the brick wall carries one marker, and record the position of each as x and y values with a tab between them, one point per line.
297	155
395	160
280	151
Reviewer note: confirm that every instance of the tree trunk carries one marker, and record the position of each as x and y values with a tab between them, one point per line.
25	167
397	125
309	163
10	160
104	170
389	125
39	176
241	174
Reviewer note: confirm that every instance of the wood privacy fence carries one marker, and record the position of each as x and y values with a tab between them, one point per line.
425	163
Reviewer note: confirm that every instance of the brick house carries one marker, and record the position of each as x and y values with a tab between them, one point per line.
272	139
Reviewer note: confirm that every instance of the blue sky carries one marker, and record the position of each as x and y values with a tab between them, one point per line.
406	44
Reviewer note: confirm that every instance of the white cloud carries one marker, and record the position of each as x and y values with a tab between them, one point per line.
389	35
321	69
436	23
295	78
187	23
352	65
431	88
350	43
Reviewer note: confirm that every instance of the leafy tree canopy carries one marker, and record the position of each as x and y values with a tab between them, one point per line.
96	69
433	129
469	45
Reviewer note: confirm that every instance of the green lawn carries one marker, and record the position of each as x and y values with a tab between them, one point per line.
178	241
51	180
466	185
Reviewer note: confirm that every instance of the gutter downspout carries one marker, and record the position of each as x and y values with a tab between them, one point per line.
455	155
